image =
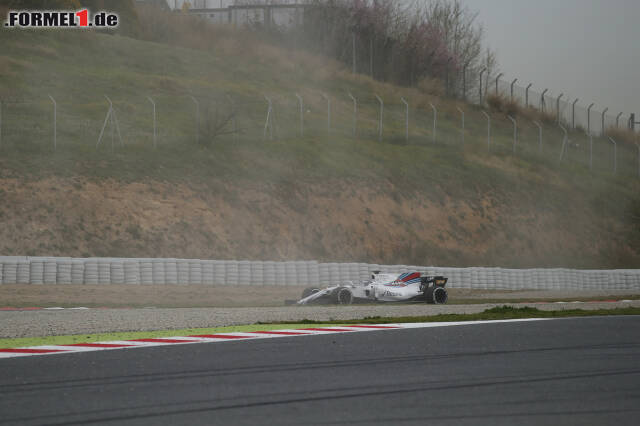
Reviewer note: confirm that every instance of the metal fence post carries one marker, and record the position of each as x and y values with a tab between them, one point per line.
618	120
110	118
406	126
498	78
353	49
638	146
512	83
380	124
233	117
573	114
542	102
301	107
435	120
515	132
615	155
195	101
55	122
564	141
462	112
603	132
590	151
589	118
464	81
268	124
488	130
355	114
558	107
328	113
539	126
154	121
526	95
482	71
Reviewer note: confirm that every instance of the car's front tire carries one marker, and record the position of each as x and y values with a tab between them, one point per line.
344	296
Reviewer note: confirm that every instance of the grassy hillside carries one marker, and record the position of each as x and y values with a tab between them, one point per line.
325	195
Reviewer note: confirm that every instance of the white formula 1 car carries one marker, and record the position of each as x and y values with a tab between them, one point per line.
405	287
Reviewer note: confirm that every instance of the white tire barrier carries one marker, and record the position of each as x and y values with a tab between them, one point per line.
183	271
158	272
170	271
231	272
195	272
43	270
36	271
63	272
131	272
77	271
244	272
104	271
208	272
91	273
117	271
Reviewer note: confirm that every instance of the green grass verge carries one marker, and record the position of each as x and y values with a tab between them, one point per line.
106	337
497	313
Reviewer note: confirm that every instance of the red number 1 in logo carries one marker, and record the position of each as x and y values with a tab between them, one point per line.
83	15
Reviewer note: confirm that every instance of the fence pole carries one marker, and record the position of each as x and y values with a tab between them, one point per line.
154	121
638	146
235	120
55	123
590	151
406	126
355	114
480	86
526	95
498	78
603	132
464	81
435	119
618	120
615	155
558	107
353	48
268	124
589	118
195	101
488	130
539	126
301	107
380	124
515	132
462	112
564	141
328	113
542	103
573	114
512	83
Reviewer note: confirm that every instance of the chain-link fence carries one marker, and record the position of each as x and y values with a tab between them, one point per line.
207	118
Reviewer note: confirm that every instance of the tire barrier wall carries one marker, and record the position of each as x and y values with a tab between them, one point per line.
105	271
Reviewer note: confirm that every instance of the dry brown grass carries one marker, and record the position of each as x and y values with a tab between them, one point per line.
625	136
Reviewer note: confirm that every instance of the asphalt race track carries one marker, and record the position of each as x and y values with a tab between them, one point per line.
568	371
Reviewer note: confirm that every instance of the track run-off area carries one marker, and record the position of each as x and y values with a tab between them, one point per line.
563	371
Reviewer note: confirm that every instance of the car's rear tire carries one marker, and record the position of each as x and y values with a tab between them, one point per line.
309	291
344	296
437	295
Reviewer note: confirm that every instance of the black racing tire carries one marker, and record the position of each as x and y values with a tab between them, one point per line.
309	291
343	296
437	295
